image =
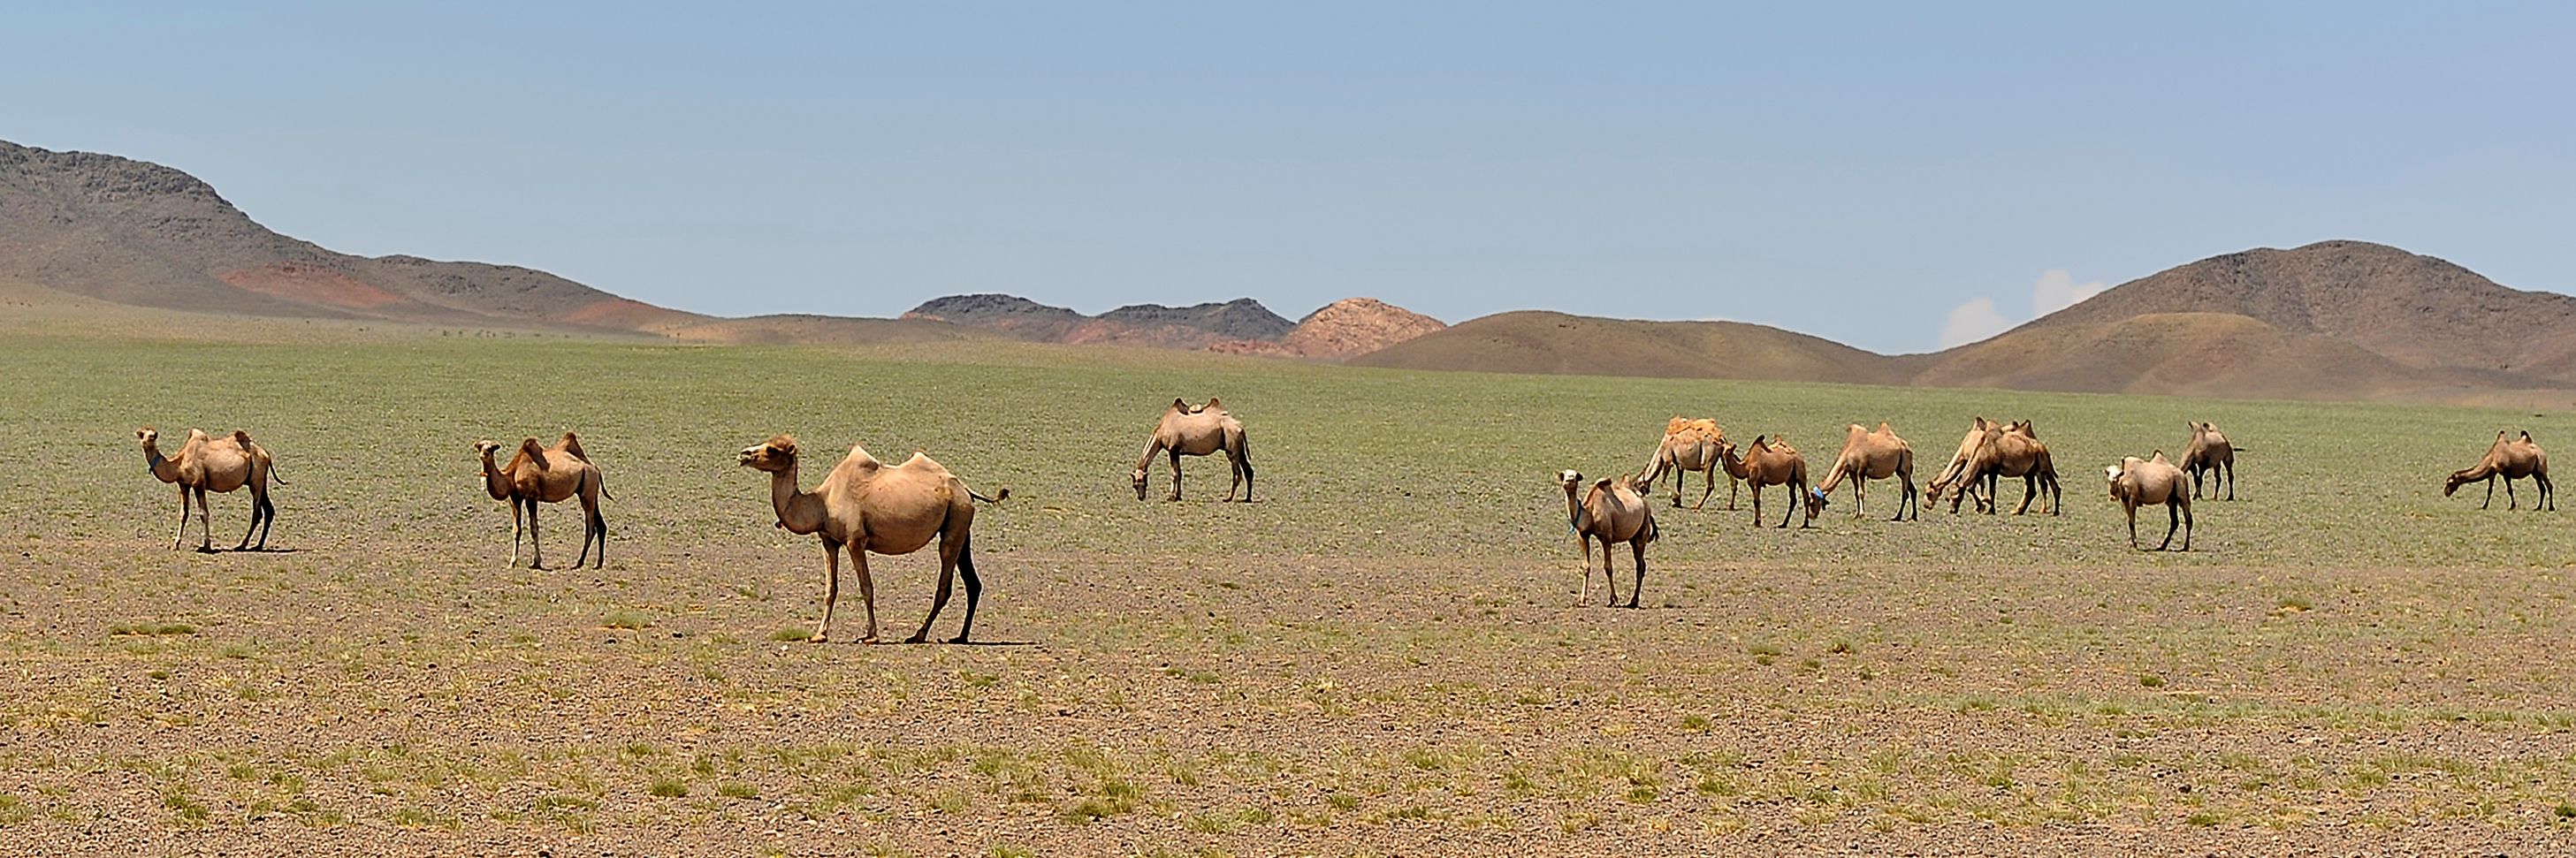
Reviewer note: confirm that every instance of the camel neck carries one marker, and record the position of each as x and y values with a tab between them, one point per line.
494	483
800	511
162	469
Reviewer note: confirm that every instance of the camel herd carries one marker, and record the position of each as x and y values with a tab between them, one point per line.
865	505
1613	510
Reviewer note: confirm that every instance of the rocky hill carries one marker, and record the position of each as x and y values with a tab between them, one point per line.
1241	326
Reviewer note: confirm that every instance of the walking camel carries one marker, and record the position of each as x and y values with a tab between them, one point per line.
1612	511
868	505
1774	463
2139	482
543	475
1186	431
2512	460
1688	445
206	464
2209	453
1870	456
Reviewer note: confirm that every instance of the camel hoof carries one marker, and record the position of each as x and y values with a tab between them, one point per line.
206	549
916	639
958	639
818	637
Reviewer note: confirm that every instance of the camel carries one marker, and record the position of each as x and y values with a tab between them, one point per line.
542	475
1774	463
1993	450
1688	445
2511	460
2210	453
1953	476
206	464
1186	431
868	505
1870	456
1612	511
2139	482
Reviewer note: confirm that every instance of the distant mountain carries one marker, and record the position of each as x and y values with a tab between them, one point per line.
1150	325
1538	341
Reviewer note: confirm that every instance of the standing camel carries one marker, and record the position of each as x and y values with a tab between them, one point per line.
1613	512
2139	482
2209	453
1186	431
542	475
2011	450
2512	460
1688	445
868	505
206	464
1870	456
1775	463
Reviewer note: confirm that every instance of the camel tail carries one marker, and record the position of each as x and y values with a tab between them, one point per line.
596	477
997	497
274	474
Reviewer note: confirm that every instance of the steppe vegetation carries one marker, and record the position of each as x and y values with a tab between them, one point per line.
1380	655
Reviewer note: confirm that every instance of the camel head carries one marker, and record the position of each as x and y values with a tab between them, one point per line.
774	455
486	446
2456	480
148	435
1816	502
1569	478
1137	478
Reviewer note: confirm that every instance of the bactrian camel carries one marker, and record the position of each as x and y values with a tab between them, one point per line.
2139	482
205	464
1612	511
1994	450
2209	453
1186	431
868	505
1688	445
1953	476
1870	456
547	475
2512	460
1774	463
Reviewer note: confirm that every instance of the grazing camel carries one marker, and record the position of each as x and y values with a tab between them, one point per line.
1954	476
2010	450
1612	511
1870	456
2511	460
542	475
1186	431
2210	453
869	505
2139	482
1688	445
206	464
1774	463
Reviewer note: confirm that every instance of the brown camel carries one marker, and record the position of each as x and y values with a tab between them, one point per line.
2139	482
2210	453
542	475
1774	463
1954	476
206	464
2512	460
869	505
1688	445
2009	450
1612	511
1186	431
1870	456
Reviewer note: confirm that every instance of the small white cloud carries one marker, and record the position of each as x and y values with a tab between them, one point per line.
1973	321
2057	290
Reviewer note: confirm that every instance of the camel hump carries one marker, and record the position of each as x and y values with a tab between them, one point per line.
243	438
2526	436
572	444
1884	429
1676	425
1180	405
2159	457
1213	405
535	452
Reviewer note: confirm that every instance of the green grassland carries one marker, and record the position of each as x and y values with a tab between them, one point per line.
1382	649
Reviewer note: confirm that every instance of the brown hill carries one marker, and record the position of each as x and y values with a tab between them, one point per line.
2415	310
1340	330
1148	325
1538	341
143	234
2176	354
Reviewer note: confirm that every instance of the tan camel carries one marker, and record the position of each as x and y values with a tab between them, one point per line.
206	464
869	505
1612	511
1953	476
2139	482
1870	456
1774	463
2210	453
1186	431
2512	460
541	475
1688	445
2009	450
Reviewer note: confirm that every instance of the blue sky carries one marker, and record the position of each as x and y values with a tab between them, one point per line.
1863	172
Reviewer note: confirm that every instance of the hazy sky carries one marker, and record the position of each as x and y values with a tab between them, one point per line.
1864	172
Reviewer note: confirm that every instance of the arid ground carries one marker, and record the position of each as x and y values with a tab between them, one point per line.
1382	655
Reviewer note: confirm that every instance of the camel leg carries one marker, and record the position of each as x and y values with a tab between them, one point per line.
260	513
2133	527
1732	484
2548	495
536	538
1704	494
1176	475
2186	526
180	536
517	529
1636	591
2490	501
1757	506
2173	519
2231	480
831	589
205	525
1242	465
1792	505
1907	498
974	586
1584	541
2510	502
867	586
